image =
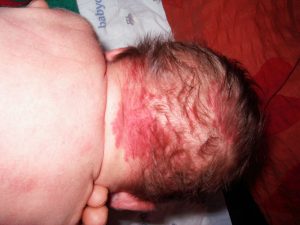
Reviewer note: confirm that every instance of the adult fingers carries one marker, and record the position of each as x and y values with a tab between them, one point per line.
98	197
95	216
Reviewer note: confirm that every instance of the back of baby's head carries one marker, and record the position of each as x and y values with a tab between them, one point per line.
194	119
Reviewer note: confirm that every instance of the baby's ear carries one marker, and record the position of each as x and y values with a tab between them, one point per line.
110	55
127	201
38	4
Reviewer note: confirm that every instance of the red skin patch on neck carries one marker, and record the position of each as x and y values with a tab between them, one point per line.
135	126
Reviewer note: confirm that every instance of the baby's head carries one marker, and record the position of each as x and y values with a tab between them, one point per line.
188	115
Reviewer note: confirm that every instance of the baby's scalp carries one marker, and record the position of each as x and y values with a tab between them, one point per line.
184	112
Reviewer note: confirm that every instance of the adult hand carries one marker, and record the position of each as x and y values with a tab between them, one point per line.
96	212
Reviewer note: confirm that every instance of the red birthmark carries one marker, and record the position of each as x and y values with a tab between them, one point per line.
135	126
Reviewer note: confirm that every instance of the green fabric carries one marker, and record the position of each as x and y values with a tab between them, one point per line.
66	4
22	1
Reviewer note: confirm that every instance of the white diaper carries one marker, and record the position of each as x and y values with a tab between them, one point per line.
120	23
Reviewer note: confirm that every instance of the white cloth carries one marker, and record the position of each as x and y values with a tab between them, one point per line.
177	213
120	23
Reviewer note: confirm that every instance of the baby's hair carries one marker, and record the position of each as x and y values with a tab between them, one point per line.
205	120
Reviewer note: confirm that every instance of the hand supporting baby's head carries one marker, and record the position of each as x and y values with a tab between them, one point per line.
188	115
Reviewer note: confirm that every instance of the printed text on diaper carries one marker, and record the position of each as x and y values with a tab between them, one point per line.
100	8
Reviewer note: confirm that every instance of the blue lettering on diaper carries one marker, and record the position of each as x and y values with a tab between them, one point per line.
129	19
100	7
